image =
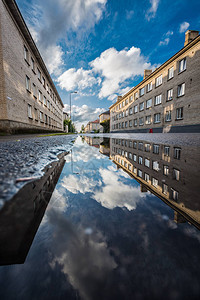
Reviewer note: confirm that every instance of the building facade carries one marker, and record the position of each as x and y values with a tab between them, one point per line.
167	170
92	126
103	117
29	100
167	100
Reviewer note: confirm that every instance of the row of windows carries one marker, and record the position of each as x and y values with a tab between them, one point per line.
147	147
44	118
37	94
158	82
149	103
147	120
30	61
154	181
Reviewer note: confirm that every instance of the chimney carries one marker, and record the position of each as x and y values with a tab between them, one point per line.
147	73
119	97
190	35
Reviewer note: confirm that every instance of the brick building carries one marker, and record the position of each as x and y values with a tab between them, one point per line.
167	100
29	100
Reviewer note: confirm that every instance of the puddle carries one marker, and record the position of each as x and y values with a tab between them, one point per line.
121	223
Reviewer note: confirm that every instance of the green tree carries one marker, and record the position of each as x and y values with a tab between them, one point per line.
106	125
71	126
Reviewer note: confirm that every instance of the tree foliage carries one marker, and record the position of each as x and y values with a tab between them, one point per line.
106	125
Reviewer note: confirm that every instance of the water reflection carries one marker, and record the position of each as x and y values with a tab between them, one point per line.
104	235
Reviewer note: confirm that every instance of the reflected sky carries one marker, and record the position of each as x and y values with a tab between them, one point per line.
102	238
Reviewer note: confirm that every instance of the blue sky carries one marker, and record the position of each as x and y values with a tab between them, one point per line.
100	48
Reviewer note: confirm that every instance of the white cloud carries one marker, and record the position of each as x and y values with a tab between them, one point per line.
49	21
124	196
183	27
77	79
129	14
117	66
151	12
166	38
76	184
164	42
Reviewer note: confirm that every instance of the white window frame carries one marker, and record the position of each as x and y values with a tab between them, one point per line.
182	65
148	120
149	103
157	118
179	113
135	109
147	162
158	81
171	72
30	114
158	99
28	83
181	90
154	182
170	95
141	91
141	121
168	116
141	106
149	86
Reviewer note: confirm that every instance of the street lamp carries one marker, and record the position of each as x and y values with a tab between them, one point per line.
70	99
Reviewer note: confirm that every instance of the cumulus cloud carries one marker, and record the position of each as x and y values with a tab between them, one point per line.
183	27
117	66
76	184
50	20
83	114
166	38
77	79
151	12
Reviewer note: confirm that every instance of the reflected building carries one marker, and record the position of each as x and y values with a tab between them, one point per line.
20	217
169	171
93	141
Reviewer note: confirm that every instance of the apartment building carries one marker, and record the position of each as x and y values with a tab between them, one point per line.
92	126
103	117
29	100
167	170
167	100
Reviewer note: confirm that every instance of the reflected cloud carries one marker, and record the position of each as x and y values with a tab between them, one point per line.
123	196
84	257
76	184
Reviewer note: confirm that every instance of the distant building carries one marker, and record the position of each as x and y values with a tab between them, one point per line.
102	117
167	100
28	97
92	126
65	117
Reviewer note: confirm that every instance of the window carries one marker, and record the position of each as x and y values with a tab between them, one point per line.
179	113
130	98
147	147
130	123
141	91
164	188
149	86
120	106
148	103
28	83
48	104
168	116
34	90
129	167
130	155
159	80
126	101
32	64
141	121
122	124
176	174
127	113
135	109
181	89
148	120
174	195
158	99
45	100
146	177
154	182
136	96
156	149
36	114
125	164
141	106
123	103
140	146
135	170
45	119
166	150
126	124
171	73
123	114
157	118
130	144
126	154
39	75
140	160
155	166
30	111
130	111
135	145
166	170
177	153
40	96
140	173
122	142
43	81
182	65
41	117
25	53
134	157
170	95
119	125
147	162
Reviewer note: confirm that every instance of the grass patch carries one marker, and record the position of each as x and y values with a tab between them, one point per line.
53	134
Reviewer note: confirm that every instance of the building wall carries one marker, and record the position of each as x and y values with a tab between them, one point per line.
189	101
103	117
122	153
94	126
14	94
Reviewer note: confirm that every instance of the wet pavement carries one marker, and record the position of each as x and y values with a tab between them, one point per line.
109	231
